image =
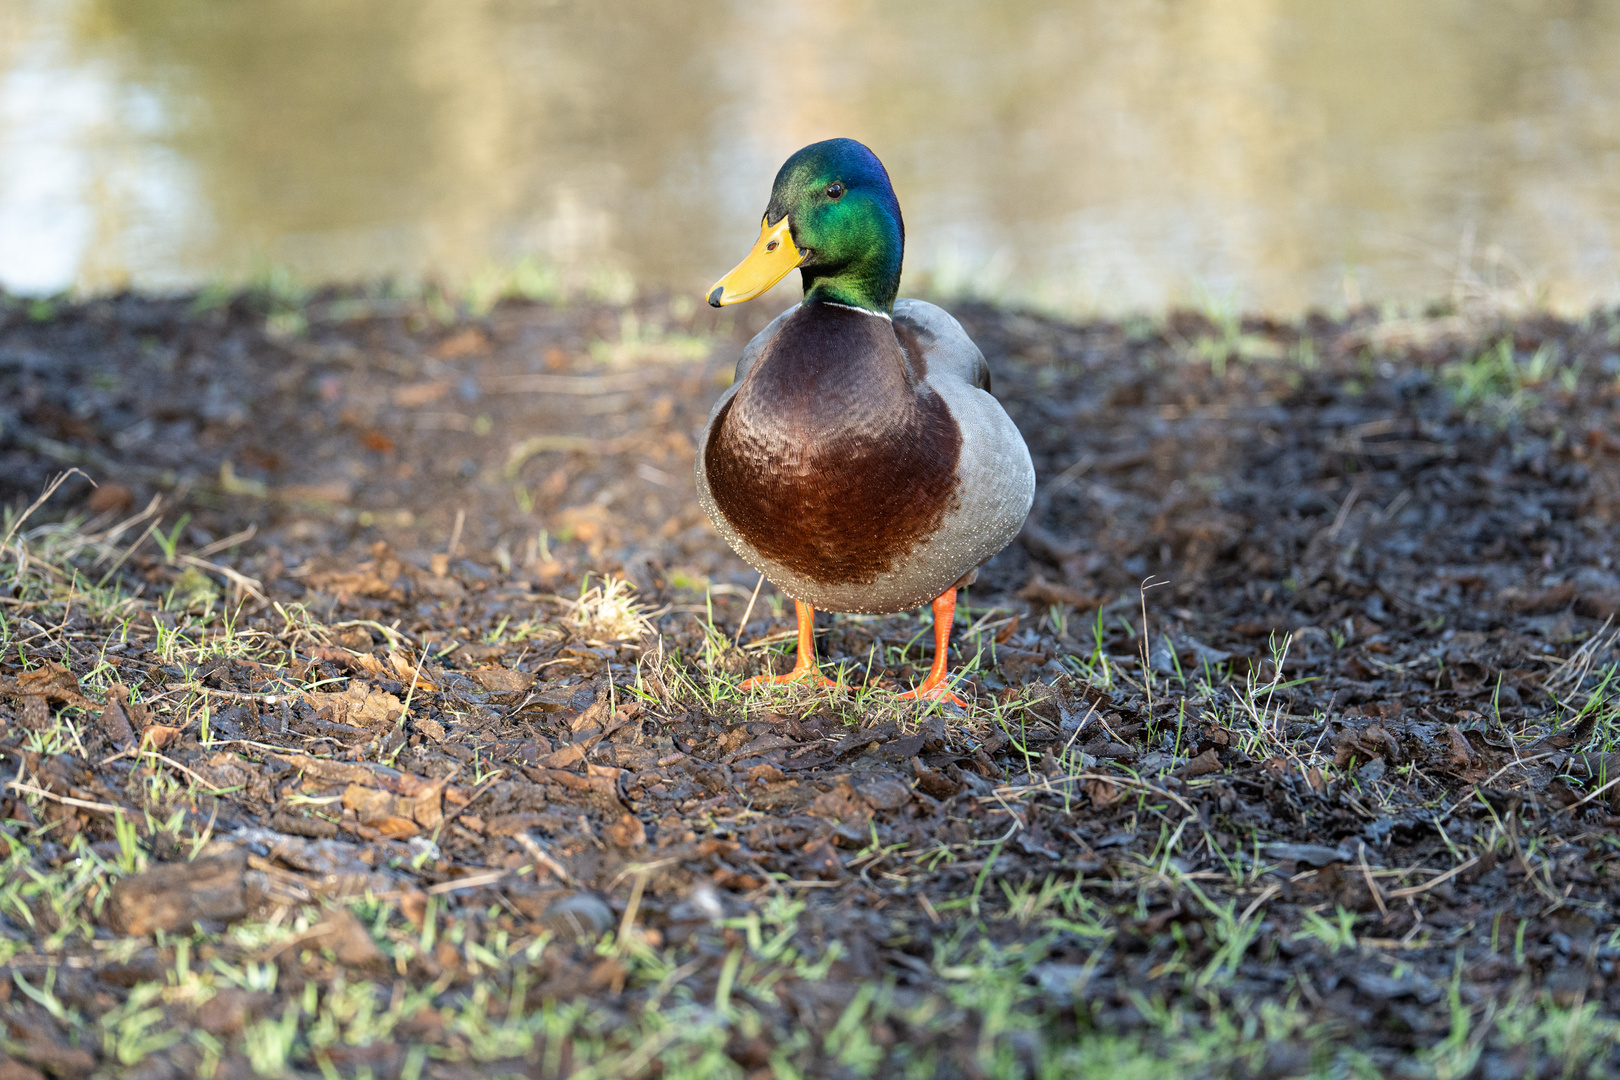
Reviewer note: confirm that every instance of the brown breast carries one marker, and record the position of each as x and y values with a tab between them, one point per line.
833	459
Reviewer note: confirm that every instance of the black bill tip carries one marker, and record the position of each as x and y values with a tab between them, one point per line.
714	297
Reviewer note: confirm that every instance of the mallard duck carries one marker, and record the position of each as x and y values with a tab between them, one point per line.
857	460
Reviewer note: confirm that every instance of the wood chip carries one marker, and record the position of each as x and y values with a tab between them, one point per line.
173	896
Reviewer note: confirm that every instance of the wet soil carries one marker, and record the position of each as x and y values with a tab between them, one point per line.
1310	622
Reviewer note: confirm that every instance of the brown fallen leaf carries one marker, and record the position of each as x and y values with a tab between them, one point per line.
395	828
1202	765
356	640
139	715
1458	752
377	577
51	680
352	772
327	654
1005	634
348	939
1364	744
391	665
563	757
360	706
368	802
931	782
604	789
609	975
499	680
1103	793
427	805
413	905
841	804
594	715
406	670
110	499
159	737
627	832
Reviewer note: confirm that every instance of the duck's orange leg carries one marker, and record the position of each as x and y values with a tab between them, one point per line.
933	688
804	665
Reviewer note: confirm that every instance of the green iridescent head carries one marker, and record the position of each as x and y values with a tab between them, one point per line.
832	214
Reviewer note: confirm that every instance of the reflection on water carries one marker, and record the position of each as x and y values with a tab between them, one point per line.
1101	155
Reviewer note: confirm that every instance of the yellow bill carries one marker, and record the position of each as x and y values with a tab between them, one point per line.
773	256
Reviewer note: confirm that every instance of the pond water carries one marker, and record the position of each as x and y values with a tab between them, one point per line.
1096	156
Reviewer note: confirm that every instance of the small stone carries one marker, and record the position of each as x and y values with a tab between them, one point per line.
883	791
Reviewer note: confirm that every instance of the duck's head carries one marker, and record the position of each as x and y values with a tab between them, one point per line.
833	215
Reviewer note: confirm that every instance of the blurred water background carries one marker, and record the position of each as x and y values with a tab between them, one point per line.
1096	156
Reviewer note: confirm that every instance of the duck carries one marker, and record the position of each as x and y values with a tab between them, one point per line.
858	460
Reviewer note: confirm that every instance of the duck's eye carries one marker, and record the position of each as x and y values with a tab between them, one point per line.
834	190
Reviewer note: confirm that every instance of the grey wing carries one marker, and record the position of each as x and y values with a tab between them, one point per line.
949	350
751	352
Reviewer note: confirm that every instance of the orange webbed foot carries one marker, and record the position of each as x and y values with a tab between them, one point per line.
804	665
941	692
807	676
934	687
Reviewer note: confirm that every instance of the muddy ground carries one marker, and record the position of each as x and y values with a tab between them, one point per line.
377	714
